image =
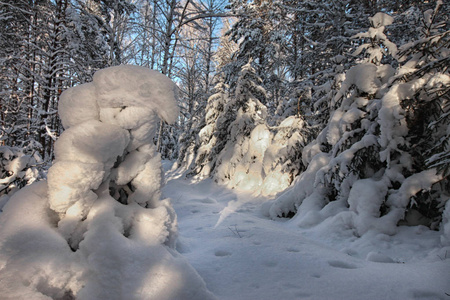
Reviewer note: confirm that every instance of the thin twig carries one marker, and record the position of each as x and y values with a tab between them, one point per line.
235	231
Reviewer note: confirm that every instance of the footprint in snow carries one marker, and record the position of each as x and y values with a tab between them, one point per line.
293	250
255	285
221	253
291	286
270	263
303	295
342	264
428	295
205	200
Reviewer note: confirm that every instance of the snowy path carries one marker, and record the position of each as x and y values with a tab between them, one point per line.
247	256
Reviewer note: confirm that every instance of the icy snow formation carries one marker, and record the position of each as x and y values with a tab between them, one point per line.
98	229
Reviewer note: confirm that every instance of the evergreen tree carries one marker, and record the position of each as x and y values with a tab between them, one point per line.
239	163
369	144
426	109
199	157
259	34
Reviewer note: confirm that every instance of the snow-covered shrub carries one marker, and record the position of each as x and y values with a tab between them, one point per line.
372	165
18	167
97	228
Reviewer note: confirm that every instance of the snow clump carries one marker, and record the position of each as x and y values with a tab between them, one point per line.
97	228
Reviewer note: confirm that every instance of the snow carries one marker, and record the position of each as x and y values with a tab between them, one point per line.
365	198
101	227
364	76
242	254
303	186
98	228
134	86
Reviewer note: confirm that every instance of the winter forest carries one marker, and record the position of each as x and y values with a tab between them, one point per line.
224	149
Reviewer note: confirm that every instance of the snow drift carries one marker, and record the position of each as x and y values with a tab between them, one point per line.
97	228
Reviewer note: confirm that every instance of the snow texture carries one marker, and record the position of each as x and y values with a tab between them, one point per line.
364	77
97	228
248	256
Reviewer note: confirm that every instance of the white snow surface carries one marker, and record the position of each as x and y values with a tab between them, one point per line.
241	254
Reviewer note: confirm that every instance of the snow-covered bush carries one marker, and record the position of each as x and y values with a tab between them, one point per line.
97	228
18	167
372	165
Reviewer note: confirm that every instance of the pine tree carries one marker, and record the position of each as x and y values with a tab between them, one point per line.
199	157
366	145
239	163
259	34
426	109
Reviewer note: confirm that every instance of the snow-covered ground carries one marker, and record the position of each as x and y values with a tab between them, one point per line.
241	254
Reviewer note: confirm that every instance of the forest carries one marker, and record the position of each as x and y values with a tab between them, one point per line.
327	109
365	83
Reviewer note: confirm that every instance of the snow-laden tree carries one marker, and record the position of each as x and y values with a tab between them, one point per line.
97	228
199	156
334	158
229	120
30	42
427	109
362	167
239	163
282	160
235	145
259	36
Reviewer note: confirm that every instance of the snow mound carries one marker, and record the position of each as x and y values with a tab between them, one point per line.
134	86
97	229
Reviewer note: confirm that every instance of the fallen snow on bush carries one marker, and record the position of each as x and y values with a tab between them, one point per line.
97	228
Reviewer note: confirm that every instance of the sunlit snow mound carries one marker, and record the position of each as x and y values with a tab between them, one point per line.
97	229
